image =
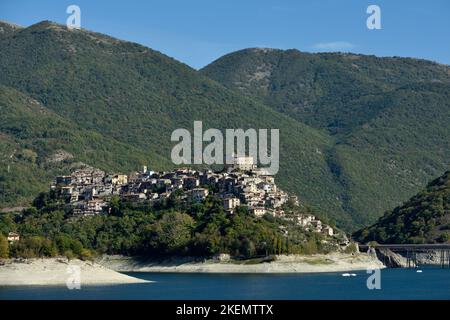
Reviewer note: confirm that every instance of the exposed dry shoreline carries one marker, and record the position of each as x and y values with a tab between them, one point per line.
106	270
58	271
335	262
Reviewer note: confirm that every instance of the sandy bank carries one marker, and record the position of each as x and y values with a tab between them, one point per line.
58	272
336	262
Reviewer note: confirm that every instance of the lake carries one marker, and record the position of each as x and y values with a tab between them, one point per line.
432	283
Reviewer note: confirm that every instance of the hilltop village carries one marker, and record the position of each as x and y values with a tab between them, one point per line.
88	191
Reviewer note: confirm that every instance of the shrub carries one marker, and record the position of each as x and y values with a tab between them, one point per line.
4	247
445	237
351	248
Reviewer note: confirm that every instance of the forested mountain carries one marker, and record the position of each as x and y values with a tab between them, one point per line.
425	218
358	134
136	96
388	116
331	91
36	144
7	29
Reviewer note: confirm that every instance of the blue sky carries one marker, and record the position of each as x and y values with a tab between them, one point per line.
197	32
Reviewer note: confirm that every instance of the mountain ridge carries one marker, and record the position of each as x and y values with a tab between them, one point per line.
136	96
310	86
367	104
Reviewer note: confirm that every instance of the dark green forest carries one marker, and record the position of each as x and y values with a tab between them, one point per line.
425	218
168	228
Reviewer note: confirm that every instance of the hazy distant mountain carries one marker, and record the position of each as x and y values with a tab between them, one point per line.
425	218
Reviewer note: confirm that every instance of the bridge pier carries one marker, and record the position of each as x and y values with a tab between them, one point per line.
445	258
448	258
411	258
409	251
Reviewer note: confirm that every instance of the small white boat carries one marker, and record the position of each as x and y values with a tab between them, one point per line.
419	271
346	274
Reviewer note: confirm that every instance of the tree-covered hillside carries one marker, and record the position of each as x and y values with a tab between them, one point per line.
7	29
394	155
36	144
359	134
137	96
330	91
388	116
425	218
169	228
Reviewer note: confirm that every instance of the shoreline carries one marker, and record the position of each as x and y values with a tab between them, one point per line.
108	270
319	263
59	272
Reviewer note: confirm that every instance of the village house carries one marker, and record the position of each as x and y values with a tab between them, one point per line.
74	196
191	182
88	191
63	180
134	196
199	194
267	187
328	231
13	237
293	199
316	225
152	196
87	176
243	163
66	191
305	220
258	211
119	179
90	208
177	182
163	183
230	203
278	213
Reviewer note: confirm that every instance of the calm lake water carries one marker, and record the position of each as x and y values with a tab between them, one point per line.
432	283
